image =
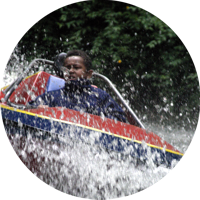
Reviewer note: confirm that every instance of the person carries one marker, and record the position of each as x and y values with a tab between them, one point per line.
78	93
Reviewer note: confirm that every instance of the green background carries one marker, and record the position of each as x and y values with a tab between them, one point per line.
16	181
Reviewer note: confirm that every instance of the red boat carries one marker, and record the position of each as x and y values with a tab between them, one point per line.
55	123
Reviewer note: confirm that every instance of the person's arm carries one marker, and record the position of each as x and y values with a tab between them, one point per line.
112	109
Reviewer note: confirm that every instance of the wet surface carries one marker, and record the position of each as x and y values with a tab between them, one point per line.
82	169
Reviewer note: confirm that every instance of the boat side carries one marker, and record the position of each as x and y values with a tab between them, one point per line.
110	134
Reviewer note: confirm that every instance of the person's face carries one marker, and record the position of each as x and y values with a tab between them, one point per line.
74	68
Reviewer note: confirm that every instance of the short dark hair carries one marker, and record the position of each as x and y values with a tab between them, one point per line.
82	54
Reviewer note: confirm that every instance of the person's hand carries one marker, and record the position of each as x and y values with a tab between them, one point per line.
43	106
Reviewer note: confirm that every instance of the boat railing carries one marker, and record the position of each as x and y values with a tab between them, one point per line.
9	90
121	99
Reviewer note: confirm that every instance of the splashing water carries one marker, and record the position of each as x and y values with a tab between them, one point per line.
85	170
89	171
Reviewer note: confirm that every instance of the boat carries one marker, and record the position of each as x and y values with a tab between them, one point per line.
53	125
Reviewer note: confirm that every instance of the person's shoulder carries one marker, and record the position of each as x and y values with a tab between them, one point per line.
99	90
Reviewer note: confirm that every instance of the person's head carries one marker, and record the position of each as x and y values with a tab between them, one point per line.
77	64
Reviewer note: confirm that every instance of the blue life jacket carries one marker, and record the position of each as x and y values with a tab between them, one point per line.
79	95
